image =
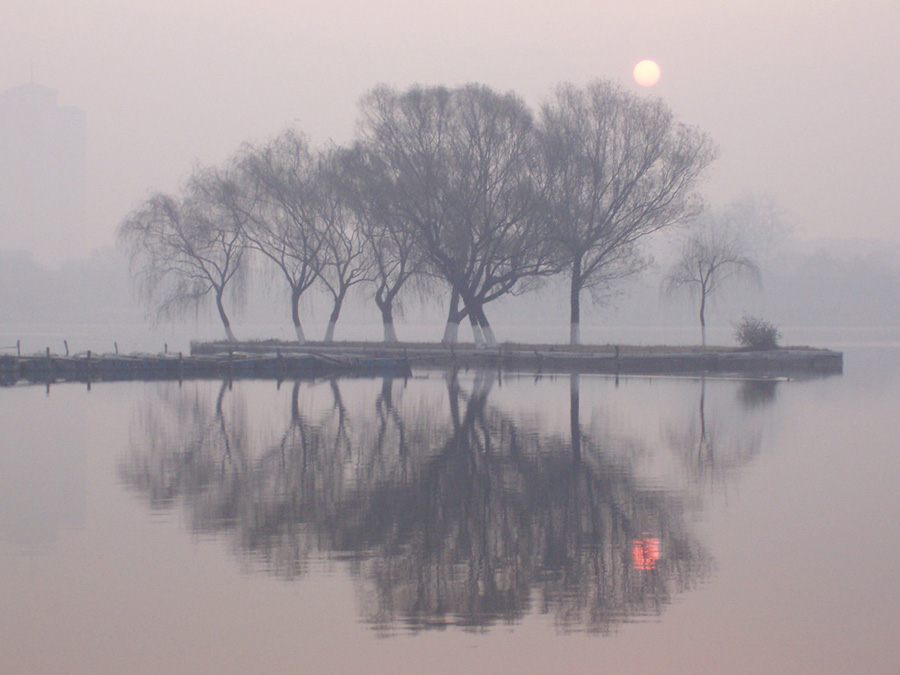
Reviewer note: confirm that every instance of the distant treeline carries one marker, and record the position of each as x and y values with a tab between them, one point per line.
463	194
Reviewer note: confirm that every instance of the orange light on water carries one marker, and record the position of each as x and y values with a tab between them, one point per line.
645	554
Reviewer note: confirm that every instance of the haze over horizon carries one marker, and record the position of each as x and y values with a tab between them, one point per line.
799	97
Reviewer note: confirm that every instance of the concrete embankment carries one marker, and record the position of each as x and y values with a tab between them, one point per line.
89	367
611	359
280	360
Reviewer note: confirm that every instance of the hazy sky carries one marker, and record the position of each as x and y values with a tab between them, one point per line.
801	96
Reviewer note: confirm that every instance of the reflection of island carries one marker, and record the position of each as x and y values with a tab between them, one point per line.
448	510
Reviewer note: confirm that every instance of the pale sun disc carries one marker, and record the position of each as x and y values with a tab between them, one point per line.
646	73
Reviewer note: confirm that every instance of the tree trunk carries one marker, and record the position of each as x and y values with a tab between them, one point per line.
229	334
703	317
454	316
477	335
387	319
335	313
451	333
490	339
295	315
224	317
575	304
486	330
390	335
329	332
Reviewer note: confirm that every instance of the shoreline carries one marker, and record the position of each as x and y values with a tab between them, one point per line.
560	358
286	360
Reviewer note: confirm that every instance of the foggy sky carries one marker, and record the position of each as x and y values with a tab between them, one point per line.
800	96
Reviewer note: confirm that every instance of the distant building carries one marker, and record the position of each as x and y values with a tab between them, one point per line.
42	173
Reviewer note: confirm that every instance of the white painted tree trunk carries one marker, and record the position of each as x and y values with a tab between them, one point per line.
301	338
451	333
575	333
390	335
329	333
478	335
489	338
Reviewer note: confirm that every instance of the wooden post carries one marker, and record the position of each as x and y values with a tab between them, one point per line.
18	348
116	345
66	343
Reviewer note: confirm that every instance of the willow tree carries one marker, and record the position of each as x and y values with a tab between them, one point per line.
459	169
187	248
616	168
280	204
714	253
345	258
396	260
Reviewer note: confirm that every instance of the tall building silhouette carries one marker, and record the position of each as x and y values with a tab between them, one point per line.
42	173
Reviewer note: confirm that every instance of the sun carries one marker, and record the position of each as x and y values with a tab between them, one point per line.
646	73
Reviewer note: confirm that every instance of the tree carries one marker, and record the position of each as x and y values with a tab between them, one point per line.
282	217
184	249
616	168
392	249
403	137
345	259
711	255
459	165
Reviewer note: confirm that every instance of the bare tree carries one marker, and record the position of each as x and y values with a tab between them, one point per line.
392	249
282	215
345	257
713	254
500	241
460	168
185	248
617	168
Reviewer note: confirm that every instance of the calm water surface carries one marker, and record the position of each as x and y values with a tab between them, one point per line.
454	523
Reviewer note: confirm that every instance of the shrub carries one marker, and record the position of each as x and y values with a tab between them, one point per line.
754	333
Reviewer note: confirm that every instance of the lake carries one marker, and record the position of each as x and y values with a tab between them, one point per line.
454	522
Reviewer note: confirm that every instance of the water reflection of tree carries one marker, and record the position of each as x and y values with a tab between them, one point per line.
448	511
714	449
